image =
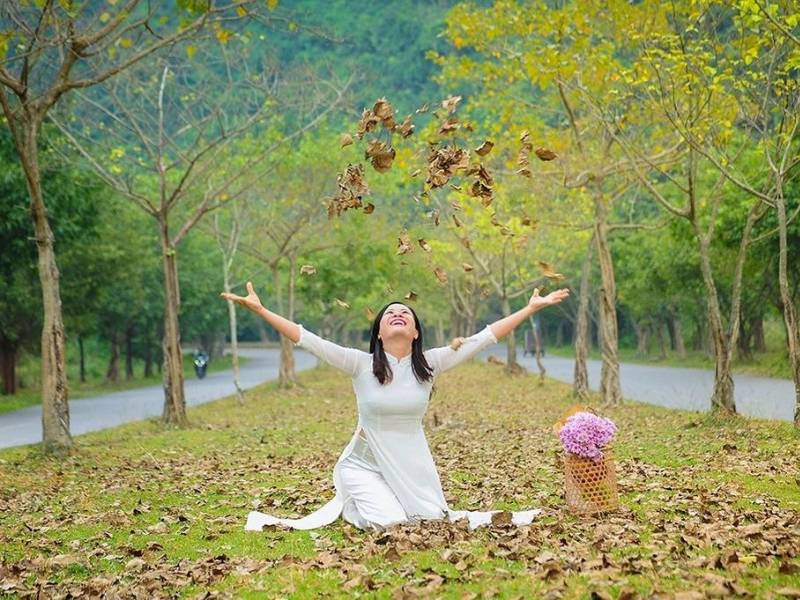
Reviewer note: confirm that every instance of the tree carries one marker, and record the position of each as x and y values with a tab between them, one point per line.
48	49
177	129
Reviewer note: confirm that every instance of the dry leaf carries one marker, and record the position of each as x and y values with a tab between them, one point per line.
368	122
457	221
406	128
307	270
381	155
404	243
434	216
383	110
484	148
547	271
424	108
525	173
370	314
545	155
412	296
467	267
416	172
342	304
369	208
424	245
457	343
346	139
451	103
440	275
465	242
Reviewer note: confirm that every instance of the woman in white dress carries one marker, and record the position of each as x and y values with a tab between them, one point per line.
386	474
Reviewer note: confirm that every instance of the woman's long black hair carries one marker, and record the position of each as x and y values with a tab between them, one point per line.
380	365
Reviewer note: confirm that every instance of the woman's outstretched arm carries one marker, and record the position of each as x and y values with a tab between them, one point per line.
252	302
506	325
349	360
447	357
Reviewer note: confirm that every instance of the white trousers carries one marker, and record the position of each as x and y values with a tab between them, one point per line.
371	504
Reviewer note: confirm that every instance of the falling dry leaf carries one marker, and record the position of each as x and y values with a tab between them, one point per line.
406	128
368	122
434	216
342	304
544	154
466	243
457	343
412	296
451	103
547	271
370	314
369	208
484	148
404	243
467	267
424	245
346	139
416	172
307	270
424	108
440	275
457	221
383	110
380	155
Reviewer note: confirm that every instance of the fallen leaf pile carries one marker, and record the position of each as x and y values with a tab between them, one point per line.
147	512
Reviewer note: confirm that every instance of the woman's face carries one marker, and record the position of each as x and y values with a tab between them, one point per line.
398	321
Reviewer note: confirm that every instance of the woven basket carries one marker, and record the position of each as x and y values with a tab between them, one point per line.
591	487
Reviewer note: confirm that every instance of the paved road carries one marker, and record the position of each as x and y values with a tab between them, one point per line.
677	387
101	412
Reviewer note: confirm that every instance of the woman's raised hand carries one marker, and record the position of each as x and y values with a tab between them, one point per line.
537	301
251	301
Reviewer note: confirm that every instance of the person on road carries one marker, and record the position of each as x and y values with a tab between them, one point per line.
386	474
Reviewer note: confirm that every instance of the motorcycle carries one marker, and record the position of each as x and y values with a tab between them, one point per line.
201	364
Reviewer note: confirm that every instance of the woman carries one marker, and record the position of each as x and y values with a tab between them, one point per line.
386	473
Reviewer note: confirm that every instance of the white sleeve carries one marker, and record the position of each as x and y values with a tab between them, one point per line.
349	360
444	358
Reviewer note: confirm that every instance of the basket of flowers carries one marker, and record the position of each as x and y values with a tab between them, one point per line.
589	470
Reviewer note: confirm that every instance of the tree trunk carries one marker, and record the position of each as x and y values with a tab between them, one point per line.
722	396
286	373
677	334
226	285
174	398
8	366
112	374
757	328
789	315
129	353
148	360
580	384
662	347
642	338
82	353
55	391
511	345
610	388
560	333
537	349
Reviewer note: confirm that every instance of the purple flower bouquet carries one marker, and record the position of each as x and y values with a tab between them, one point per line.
586	434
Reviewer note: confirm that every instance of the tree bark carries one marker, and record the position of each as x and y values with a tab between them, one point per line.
174	395
610	388
286	372
129	353
722	395
580	384
642	338
789	315
232	323
112	373
82	353
662	347
757	327
512	366
8	366
679	345
55	390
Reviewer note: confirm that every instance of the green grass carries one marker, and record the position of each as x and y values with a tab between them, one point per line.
96	385
707	503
